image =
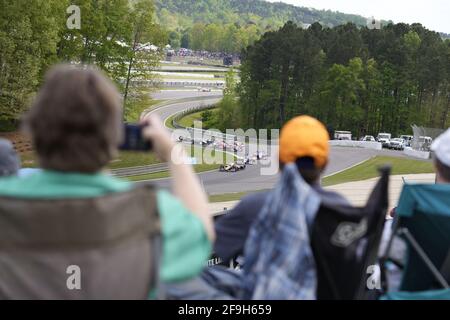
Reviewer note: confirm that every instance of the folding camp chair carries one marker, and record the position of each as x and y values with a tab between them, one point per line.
423	222
345	243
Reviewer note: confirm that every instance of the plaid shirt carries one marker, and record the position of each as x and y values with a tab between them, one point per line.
279	262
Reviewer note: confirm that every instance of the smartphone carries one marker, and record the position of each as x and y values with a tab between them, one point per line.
134	141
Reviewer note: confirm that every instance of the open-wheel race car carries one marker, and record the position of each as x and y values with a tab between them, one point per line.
233	167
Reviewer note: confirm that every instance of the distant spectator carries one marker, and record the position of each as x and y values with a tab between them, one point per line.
9	160
303	140
70	217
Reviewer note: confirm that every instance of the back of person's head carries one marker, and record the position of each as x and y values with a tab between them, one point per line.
441	149
75	121
9	160
305	141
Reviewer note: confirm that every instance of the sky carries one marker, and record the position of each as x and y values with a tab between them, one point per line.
433	14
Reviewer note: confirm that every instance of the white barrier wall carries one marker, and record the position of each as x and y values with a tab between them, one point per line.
357	144
416	154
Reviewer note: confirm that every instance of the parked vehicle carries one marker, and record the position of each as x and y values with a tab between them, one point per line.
342	135
397	144
368	138
408	140
384	138
424	143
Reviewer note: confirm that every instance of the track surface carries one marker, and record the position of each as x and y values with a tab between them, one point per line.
251	179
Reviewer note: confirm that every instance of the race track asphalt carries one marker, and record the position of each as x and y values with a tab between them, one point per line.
251	179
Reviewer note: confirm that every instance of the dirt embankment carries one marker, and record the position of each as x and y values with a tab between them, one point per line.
21	143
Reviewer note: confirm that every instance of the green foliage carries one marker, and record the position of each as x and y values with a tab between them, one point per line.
141	61
28	43
350	78
34	35
227	115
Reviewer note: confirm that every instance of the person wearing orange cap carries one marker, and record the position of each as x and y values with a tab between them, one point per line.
304	141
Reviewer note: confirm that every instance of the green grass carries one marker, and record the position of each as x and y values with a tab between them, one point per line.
150	176
134	109
169	121
363	171
368	169
166	174
197	168
127	159
188	120
234	196
227	197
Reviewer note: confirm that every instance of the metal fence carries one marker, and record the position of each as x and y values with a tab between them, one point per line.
423	137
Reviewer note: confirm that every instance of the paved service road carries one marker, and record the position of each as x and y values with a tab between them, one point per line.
251	179
180	94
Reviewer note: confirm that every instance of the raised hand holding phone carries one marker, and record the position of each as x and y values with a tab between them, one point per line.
134	139
155	131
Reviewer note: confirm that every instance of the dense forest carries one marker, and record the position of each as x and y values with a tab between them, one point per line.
34	35
231	25
350	78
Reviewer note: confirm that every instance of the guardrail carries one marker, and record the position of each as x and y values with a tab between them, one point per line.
201	132
181	83
177	101
357	144
141	170
425	155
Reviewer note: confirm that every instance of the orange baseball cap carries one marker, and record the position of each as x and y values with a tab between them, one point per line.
304	136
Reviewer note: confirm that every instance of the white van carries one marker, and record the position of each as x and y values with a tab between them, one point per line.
342	135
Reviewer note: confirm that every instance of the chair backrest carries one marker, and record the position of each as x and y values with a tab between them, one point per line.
345	243
424	213
106	242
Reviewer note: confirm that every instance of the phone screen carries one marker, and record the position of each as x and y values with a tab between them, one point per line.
134	140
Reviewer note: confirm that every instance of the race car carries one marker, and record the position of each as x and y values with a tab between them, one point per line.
241	164
248	160
232	167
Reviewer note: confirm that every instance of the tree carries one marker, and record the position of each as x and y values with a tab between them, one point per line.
197	36
28	41
102	40
352	79
174	39
142	59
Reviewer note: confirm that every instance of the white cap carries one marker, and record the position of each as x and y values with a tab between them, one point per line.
441	148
